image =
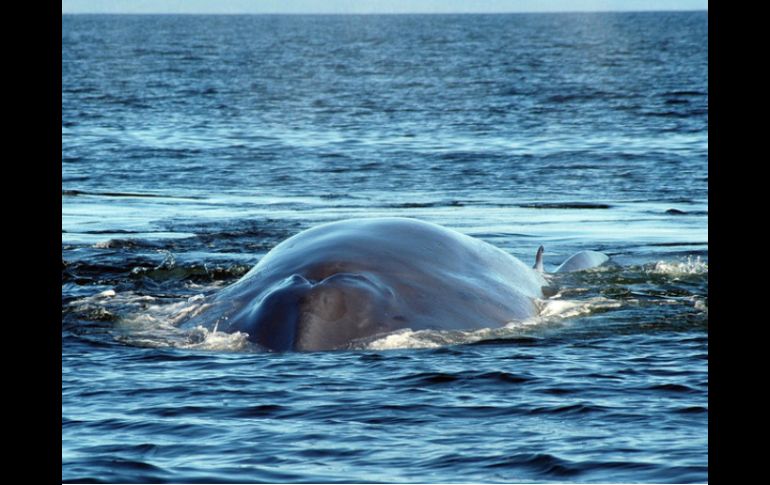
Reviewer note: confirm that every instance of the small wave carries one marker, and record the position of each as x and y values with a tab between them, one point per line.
564	205
675	114
679	212
471	378
73	193
425	205
543	463
570	97
570	409
671	388
685	93
676	212
675	244
692	410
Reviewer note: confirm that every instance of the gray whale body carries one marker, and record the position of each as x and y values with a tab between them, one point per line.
341	282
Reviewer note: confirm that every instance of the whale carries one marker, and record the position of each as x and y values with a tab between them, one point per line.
581	261
343	282
577	262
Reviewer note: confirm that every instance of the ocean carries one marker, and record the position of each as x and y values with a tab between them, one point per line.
192	145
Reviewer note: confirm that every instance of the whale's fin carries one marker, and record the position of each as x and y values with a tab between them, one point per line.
539	259
582	260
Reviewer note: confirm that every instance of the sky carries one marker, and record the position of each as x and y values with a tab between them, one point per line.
372	6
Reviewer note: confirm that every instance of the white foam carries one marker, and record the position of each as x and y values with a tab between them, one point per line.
402	339
187	309
551	308
126	298
203	339
562	309
153	322
680	268
154	330
552	311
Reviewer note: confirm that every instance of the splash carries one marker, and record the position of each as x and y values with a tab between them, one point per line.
201	338
153	322
148	330
691	266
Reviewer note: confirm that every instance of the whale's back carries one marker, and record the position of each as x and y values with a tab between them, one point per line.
357	278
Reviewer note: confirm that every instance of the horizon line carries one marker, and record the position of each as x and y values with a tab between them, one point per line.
396	13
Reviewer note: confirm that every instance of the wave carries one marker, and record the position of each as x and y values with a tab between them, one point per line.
469	378
564	205
74	193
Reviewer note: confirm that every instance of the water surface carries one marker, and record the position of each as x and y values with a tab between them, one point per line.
191	145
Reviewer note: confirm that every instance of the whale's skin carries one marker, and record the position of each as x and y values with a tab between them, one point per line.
338	283
581	261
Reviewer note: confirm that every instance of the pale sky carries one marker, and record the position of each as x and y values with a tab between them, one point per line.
372	6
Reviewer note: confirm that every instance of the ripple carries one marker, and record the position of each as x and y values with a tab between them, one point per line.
671	388
543	464
570	409
464	378
564	205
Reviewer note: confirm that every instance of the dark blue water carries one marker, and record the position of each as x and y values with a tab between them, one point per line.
191	145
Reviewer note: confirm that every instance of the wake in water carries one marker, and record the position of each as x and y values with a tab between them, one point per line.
156	326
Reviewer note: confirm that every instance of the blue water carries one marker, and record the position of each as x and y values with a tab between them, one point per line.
191	145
